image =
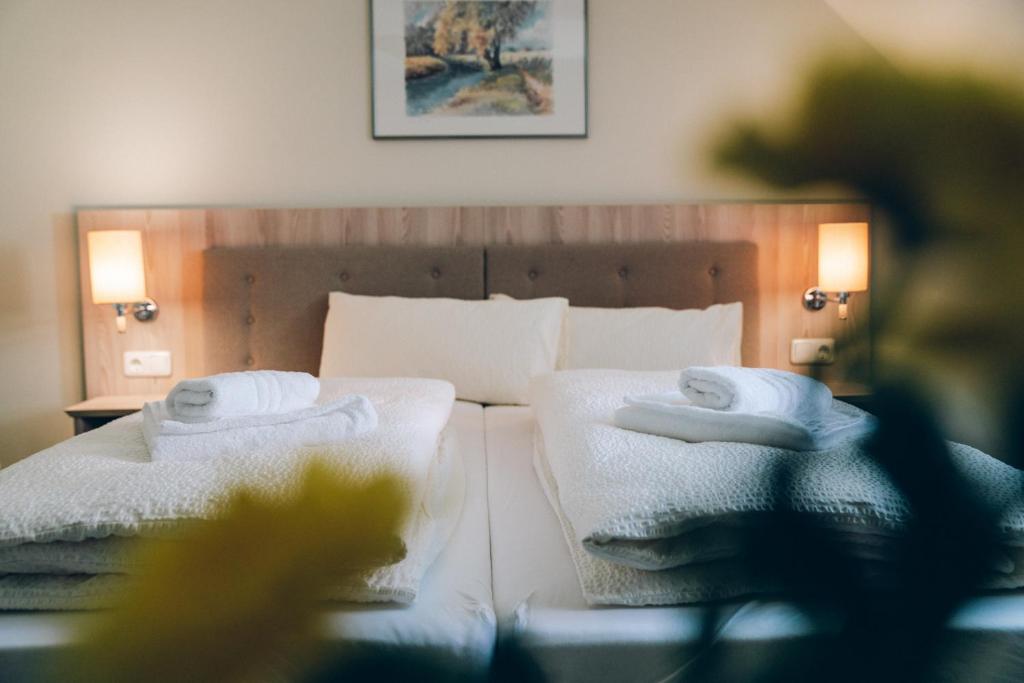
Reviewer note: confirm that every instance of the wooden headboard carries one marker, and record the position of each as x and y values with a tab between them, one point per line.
783	238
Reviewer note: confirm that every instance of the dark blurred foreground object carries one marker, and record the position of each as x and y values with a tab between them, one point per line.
941	157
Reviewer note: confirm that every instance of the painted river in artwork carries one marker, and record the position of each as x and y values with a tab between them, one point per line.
422	95
478	58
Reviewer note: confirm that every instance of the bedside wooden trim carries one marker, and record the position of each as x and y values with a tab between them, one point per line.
107	406
96	412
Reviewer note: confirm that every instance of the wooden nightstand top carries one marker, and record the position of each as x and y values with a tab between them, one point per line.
859	395
105	406
841	389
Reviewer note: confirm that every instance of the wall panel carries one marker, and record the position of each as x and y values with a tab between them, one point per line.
786	235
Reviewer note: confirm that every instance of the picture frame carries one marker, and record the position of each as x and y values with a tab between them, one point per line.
478	68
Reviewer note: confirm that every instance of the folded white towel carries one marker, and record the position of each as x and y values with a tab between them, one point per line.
345	418
639	500
234	394
673	415
756	390
745	405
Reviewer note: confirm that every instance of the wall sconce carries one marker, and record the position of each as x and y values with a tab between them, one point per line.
117	274
842	265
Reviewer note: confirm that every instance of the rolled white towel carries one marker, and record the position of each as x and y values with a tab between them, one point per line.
236	394
756	391
168	439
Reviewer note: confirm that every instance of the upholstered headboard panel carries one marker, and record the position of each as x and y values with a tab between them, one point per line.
674	275
264	307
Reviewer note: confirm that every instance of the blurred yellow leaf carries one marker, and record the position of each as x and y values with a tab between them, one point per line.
241	595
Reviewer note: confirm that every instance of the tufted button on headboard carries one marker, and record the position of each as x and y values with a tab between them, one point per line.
264	307
673	275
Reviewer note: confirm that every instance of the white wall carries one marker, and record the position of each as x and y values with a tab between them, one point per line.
266	102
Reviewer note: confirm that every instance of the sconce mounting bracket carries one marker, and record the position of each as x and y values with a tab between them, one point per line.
815	299
145	310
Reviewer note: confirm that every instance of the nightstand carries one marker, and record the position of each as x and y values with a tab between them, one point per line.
98	411
859	395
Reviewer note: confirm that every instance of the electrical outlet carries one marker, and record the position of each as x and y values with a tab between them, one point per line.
147	363
818	351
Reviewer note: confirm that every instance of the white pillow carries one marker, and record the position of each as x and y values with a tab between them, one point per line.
653	338
488	349
649	338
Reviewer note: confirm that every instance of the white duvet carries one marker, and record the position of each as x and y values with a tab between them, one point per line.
68	514
652	520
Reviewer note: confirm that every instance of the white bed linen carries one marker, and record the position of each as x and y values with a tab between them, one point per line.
538	599
639	500
488	349
537	595
102	483
452	618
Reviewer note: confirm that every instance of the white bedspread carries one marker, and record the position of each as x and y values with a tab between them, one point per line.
640	502
452	619
539	603
101	486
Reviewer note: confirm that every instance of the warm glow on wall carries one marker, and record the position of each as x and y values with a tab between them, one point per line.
117	273
116	267
843	250
843	257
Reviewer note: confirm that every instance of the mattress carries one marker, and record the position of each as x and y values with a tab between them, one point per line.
541	609
451	622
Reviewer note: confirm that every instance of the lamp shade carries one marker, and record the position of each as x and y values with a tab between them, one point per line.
843	257
116	268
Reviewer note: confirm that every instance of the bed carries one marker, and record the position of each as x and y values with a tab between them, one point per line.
537	597
506	577
451	622
541	608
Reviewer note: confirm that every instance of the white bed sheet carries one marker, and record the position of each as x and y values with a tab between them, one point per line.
452	620
537	595
540	605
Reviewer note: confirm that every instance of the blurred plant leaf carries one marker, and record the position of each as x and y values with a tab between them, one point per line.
940	152
240	597
940	155
951	545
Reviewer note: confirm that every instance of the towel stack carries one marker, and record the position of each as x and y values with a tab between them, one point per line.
746	405
249	412
653	520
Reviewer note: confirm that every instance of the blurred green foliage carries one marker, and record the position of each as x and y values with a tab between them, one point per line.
941	153
940	157
239	598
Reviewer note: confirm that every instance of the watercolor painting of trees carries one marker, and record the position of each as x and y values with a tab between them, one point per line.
465	58
484	59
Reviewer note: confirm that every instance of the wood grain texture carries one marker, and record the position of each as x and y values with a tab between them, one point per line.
174	239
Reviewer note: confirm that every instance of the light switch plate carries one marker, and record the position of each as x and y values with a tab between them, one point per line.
147	363
816	351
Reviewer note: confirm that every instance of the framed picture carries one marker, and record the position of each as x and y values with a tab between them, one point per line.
479	68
